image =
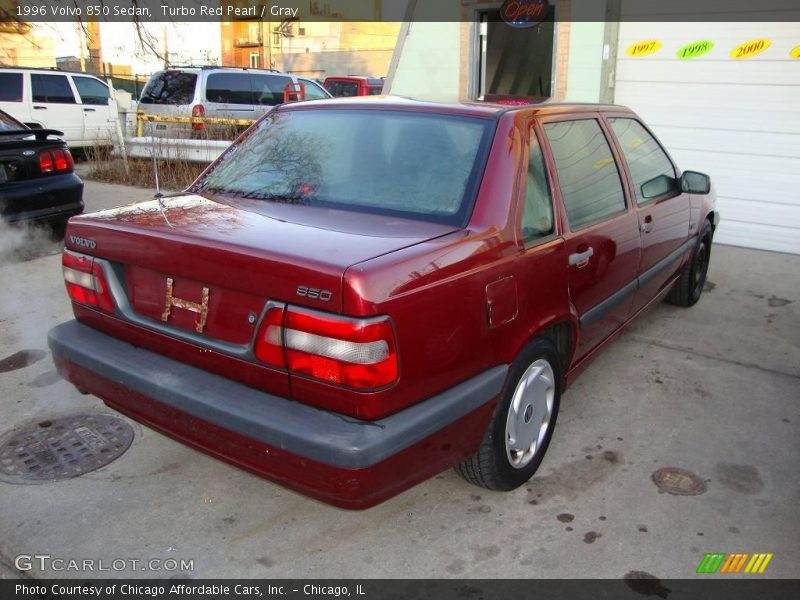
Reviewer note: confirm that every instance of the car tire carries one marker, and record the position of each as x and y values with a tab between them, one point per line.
523	422
689	287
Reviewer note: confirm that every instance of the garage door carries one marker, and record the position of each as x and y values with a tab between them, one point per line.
725	99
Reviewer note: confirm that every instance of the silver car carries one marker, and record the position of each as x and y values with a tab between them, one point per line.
217	92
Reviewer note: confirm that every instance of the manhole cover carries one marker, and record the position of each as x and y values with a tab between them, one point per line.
679	482
62	448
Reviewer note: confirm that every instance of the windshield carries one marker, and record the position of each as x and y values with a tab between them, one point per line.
416	165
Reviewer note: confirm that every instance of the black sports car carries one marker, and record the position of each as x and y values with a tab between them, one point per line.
37	180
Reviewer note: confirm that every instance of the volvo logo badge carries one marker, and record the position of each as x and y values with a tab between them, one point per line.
82	242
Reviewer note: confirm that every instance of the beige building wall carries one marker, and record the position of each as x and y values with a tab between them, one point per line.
316	49
20	46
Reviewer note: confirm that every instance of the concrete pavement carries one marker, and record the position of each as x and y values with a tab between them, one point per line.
714	389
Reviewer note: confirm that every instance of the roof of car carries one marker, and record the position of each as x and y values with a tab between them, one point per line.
469	108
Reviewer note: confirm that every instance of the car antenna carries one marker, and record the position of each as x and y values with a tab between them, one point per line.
158	195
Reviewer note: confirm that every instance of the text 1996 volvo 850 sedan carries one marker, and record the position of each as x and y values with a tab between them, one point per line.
361	293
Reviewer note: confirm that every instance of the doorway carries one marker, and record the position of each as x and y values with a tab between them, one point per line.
515	61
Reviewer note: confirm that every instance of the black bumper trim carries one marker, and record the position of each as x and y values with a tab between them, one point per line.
316	434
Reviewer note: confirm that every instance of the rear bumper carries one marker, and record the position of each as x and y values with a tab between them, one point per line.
52	198
337	459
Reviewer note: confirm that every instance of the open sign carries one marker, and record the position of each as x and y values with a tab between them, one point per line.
524	13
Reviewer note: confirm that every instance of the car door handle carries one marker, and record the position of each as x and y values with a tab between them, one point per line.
581	259
647	225
89	110
39	108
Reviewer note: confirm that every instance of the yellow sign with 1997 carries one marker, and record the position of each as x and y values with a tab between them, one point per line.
644	48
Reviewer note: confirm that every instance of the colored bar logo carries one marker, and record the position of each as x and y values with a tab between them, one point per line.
714	562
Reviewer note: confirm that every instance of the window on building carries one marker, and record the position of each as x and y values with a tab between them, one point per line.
587	173
652	172
254	60
51	88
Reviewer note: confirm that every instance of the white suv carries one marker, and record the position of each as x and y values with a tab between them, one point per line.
78	104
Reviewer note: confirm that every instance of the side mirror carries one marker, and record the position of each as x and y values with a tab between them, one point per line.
693	182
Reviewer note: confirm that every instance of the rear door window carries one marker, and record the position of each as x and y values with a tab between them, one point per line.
587	172
51	88
170	87
10	87
268	89
229	88
652	172
91	91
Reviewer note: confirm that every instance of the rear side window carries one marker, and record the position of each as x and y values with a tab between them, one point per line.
313	91
587	173
537	213
170	87
342	88
10	87
268	89
91	91
651	170
229	88
51	88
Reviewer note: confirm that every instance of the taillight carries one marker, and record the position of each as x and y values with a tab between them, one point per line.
55	160
269	346
45	161
358	353
198	111
85	281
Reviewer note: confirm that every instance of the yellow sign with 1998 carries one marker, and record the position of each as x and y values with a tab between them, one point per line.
750	48
644	48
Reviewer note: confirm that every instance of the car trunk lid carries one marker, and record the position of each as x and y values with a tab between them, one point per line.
209	266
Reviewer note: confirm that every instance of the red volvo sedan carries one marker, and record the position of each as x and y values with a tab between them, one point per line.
361	293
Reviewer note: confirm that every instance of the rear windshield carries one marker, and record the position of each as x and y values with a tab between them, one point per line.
169	87
422	166
9	124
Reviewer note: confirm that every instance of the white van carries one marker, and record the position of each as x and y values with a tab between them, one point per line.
78	104
218	92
